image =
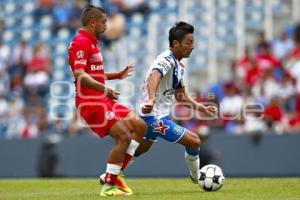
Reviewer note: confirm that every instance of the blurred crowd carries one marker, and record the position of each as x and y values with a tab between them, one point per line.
263	94
26	68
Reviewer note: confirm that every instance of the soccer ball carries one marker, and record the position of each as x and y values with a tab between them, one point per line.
211	178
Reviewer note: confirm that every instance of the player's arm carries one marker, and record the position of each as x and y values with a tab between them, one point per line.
127	71
182	96
151	83
86	80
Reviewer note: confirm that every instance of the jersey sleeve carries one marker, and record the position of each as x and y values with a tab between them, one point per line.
163	65
80	55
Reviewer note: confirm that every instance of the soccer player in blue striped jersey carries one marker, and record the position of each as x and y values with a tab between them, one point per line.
162	83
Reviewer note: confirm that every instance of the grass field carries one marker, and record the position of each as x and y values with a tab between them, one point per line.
156	189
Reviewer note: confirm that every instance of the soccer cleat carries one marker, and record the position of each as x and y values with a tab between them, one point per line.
111	190
195	181
120	183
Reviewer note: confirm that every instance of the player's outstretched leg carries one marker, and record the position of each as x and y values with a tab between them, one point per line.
192	143
192	159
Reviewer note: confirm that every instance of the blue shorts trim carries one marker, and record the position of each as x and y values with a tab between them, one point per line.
163	128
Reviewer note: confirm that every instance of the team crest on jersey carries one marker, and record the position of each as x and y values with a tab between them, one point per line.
80	54
160	127
109	115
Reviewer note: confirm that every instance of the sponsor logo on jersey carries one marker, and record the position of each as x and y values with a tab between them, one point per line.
164	65
109	115
169	93
96	67
80	62
160	127
80	54
177	130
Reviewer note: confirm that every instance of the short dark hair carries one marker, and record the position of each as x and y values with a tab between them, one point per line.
178	31
90	12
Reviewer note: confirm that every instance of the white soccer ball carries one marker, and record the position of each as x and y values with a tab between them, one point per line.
211	178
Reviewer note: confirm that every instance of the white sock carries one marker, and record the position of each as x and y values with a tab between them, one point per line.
113	168
193	163
132	147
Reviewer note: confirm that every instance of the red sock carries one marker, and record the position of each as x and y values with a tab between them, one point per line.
129	153
112	172
110	178
127	158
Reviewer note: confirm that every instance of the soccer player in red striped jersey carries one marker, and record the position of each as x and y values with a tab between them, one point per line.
96	104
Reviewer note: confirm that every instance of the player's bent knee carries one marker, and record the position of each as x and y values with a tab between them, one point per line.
125	138
195	143
142	127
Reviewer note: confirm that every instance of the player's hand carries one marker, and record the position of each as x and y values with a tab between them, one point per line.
211	111
147	107
110	93
127	71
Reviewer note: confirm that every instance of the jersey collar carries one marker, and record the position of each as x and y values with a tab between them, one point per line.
89	35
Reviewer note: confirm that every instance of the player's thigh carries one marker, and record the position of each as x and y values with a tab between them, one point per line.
190	139
120	131
136	124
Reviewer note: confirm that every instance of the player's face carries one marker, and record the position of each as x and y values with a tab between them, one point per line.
187	45
101	27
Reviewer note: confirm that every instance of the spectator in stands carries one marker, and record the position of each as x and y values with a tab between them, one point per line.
231	109
287	91
253	118
38	71
241	65
21	53
282	46
266	87
273	113
19	59
262	42
266	59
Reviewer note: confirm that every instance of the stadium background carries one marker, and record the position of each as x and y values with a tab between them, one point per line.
246	51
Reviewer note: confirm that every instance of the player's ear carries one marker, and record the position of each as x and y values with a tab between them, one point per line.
176	43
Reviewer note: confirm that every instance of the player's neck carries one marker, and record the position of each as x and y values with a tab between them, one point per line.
176	54
87	29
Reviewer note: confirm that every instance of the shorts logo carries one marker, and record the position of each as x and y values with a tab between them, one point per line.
109	115
160	127
80	54
177	130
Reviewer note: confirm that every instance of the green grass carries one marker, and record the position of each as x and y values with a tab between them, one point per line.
156	189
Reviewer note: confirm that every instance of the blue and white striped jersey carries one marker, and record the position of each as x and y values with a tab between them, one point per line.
172	72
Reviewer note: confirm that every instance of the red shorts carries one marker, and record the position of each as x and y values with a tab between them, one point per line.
101	115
